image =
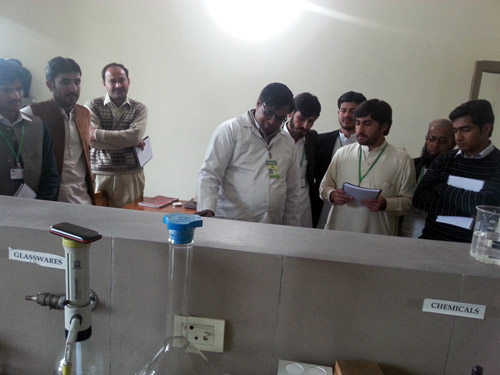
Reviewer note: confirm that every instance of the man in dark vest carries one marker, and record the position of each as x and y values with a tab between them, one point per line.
118	125
69	126
27	163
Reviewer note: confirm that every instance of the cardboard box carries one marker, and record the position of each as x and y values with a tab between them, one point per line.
357	368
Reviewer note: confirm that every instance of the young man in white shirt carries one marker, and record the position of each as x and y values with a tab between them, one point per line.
69	126
307	109
374	164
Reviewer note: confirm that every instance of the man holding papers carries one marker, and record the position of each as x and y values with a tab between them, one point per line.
459	180
381	176
329	143
118	125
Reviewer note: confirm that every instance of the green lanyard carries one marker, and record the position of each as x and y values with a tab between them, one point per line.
19	149
361	178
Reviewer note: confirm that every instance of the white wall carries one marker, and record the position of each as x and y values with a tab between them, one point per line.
417	55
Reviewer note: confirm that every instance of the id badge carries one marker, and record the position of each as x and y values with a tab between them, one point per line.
272	167
17	173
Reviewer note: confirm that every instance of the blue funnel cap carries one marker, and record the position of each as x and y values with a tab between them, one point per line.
181	227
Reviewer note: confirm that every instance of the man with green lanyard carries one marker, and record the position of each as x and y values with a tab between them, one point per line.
329	143
439	138
374	164
26	151
298	125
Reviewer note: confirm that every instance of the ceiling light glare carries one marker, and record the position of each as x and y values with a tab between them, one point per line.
254	19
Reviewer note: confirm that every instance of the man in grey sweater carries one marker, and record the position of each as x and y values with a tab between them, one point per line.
118	125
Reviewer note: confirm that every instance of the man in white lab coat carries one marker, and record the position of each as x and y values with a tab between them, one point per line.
250	171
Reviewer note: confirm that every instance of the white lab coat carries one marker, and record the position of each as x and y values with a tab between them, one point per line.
234	180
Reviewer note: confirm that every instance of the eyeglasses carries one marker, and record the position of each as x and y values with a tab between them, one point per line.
270	114
440	140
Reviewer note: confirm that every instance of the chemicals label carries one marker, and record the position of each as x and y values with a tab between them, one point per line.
41	259
465	310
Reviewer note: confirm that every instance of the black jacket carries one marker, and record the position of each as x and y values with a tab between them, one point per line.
310	150
324	154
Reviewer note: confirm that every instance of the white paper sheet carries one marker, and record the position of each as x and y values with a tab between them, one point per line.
24	191
458	221
465	183
146	154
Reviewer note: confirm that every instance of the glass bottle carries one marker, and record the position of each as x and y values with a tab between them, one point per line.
178	356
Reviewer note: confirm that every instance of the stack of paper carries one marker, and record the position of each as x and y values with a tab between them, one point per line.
360	193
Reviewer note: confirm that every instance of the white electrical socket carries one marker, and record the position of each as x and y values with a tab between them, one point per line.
204	333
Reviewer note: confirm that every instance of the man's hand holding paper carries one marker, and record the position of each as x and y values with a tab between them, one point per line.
338	196
375	205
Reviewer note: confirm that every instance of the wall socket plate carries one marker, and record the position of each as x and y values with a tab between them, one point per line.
204	333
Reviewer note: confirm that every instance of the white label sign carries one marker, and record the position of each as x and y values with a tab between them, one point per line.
41	259
465	310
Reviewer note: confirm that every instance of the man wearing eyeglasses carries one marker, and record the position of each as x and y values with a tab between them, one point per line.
476	159
250	171
439	138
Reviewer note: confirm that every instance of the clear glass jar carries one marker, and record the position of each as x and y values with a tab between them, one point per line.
178	356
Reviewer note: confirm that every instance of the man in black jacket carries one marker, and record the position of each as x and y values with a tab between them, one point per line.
329	143
440	138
